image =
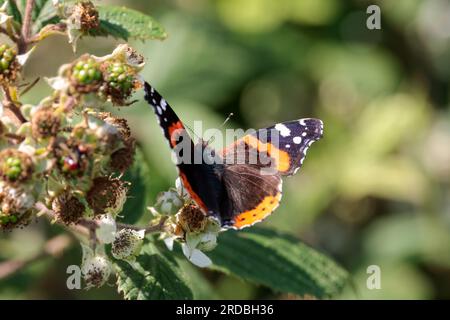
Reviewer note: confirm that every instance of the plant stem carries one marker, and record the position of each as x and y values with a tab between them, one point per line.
13	136
26	27
88	226
10	105
150	229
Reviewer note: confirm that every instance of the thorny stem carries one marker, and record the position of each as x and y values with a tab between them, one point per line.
150	229
26	27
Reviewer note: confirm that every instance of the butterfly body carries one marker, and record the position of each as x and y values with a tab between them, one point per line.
241	184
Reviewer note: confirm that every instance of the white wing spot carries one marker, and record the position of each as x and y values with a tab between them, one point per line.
304	134
297	140
163	104
165	119
159	110
284	131
302	122
154	101
288	146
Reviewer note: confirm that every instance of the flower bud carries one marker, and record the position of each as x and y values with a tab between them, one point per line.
127	244
207	242
106	230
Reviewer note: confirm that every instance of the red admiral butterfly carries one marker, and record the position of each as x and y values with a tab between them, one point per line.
237	191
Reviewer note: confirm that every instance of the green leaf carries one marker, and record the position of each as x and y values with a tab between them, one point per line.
52	20
121	22
155	275
201	288
38	7
139	191
278	261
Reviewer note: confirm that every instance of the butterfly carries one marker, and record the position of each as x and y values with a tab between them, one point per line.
242	185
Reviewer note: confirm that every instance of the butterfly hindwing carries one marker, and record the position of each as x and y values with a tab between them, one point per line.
281	147
251	197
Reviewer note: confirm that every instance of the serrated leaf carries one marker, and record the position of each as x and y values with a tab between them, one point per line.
278	261
121	22
201	288
138	193
153	276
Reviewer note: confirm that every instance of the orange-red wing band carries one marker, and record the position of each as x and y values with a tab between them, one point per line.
262	211
191	192
281	158
174	132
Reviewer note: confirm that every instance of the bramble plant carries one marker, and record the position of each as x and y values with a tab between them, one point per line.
68	160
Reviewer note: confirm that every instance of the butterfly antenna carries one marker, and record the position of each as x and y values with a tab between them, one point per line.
192	131
211	140
227	119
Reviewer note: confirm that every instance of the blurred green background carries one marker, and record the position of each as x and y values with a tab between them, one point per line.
374	191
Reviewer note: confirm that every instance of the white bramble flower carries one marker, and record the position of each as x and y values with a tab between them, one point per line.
127	244
196	256
168	202
58	83
96	267
107	229
198	242
200	235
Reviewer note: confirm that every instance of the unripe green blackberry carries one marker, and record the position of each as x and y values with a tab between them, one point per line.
119	77
8	63
15	165
119	82
86	72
